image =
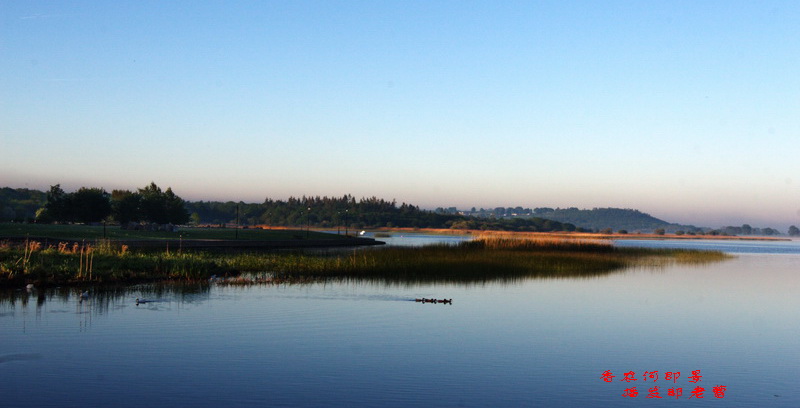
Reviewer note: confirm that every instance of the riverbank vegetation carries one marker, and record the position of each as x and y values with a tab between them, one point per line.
77	232
73	263
485	258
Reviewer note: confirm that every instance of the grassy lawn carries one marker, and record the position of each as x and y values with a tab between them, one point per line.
89	232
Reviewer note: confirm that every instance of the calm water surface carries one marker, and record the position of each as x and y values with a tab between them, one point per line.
534	342
419	239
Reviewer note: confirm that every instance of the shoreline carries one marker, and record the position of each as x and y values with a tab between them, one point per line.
210	243
580	235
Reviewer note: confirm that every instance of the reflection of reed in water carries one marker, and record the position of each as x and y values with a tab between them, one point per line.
488	258
506	258
103	298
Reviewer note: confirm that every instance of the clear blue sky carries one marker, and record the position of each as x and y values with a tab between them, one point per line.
687	110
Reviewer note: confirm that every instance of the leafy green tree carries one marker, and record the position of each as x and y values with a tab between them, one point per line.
125	206
153	204
58	207
659	231
42	216
85	205
162	207
90	204
175	209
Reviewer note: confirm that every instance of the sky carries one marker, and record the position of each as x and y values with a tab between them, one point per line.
686	110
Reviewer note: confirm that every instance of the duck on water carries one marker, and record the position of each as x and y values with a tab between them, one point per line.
426	300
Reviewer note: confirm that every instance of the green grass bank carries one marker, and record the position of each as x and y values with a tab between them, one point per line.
79	232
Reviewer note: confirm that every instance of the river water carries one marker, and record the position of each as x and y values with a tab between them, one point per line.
534	342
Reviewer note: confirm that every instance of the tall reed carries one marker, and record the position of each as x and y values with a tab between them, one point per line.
486	258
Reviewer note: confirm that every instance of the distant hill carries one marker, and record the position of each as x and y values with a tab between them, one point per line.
596	219
614	218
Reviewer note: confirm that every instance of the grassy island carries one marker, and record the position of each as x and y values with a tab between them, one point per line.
484	258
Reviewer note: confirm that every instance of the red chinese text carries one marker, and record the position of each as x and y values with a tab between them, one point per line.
675	392
672	376
607	376
653	393
695	377
697	392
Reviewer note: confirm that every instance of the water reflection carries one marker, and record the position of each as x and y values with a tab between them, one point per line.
101	299
19	357
533	341
458	278
728	246
421	239
162	296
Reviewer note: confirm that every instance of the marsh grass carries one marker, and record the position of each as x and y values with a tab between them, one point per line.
102	262
483	259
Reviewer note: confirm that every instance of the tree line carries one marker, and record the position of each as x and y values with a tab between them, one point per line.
746	229
93	204
346	211
321	212
152	205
